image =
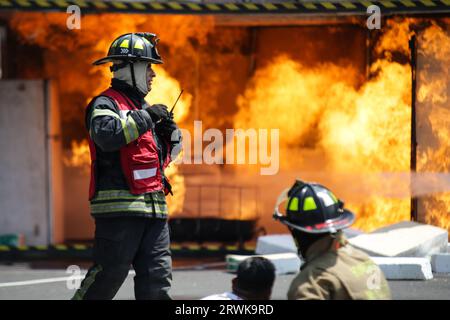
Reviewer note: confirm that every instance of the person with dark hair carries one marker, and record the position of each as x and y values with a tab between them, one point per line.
254	281
333	269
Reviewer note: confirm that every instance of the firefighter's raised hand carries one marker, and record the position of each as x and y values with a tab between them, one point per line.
158	112
165	128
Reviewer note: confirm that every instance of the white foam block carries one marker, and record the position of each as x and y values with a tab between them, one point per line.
404	239
440	262
404	268
276	243
284	263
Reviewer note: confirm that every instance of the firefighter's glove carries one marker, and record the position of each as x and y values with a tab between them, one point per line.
158	113
165	128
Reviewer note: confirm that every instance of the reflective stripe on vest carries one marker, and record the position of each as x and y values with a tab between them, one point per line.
111	201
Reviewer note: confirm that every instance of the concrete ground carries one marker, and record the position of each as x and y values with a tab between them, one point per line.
49	282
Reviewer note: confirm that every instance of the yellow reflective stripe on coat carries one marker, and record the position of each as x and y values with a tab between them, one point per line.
117	194
100	113
136	206
103	112
111	201
88	281
129	129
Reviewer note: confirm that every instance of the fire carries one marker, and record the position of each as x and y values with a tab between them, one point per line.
289	96
360	131
357	130
433	117
332	121
82	47
175	202
249	206
78	156
381	117
397	33
166	90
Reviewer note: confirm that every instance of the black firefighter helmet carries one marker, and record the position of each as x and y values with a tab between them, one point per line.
139	46
312	208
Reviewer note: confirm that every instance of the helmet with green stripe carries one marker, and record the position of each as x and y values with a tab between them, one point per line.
139	46
312	208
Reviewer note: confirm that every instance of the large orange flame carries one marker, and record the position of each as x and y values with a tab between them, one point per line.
358	130
361	130
323	111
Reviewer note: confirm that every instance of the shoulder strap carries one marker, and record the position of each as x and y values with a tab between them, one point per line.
119	97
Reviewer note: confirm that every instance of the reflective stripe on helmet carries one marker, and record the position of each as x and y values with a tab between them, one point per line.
326	198
139	44
309	204
293	204
125	43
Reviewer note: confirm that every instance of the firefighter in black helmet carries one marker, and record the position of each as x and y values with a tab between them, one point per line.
132	49
332	269
131	143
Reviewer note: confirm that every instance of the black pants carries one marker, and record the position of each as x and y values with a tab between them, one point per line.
121	242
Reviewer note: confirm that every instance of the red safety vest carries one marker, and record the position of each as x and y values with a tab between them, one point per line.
139	159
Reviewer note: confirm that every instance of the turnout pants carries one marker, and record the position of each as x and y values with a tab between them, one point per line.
121	242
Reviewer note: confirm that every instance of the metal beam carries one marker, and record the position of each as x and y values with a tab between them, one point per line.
413	161
317	7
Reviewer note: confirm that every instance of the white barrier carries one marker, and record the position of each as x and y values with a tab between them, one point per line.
405	268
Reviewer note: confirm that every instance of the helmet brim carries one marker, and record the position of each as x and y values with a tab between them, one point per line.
345	220
120	57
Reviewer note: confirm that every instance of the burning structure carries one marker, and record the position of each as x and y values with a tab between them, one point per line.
341	95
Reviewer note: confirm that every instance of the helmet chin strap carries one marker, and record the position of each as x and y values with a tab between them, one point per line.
133	77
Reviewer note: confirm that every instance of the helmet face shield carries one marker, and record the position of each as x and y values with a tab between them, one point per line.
281	202
312	208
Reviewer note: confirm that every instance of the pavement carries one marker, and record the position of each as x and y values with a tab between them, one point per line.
25	281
